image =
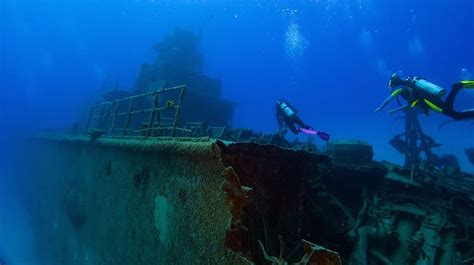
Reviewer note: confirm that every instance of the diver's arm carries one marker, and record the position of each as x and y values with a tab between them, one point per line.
279	121
398	109
278	115
385	103
389	99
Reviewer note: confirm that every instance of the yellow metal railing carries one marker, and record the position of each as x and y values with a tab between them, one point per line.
164	107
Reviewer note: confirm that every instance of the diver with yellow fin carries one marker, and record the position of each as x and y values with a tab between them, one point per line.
421	93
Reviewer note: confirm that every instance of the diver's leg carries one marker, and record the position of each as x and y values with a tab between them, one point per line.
300	123
449	105
463	115
292	127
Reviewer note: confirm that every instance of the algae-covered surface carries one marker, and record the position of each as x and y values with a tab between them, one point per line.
131	201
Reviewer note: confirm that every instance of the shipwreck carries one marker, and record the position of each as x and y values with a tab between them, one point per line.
155	179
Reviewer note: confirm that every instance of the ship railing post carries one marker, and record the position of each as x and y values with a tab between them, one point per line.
178	111
104	114
129	117
89	120
152	114
115	107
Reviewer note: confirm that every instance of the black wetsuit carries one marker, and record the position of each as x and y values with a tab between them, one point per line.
448	108
413	93
286	116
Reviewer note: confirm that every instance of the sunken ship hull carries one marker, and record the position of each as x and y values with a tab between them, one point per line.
159	177
126	193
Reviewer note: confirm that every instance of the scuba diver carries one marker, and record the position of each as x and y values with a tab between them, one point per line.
286	116
426	95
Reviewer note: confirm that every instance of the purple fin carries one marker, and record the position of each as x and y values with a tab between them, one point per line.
324	136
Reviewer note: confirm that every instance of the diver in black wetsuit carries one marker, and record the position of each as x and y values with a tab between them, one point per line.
286	116
419	92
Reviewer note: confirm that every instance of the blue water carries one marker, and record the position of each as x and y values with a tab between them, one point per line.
330	58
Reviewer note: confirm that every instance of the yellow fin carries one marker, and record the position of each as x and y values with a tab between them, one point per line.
433	106
468	83
397	92
414	103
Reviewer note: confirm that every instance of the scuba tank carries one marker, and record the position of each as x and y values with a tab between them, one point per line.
427	87
286	109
